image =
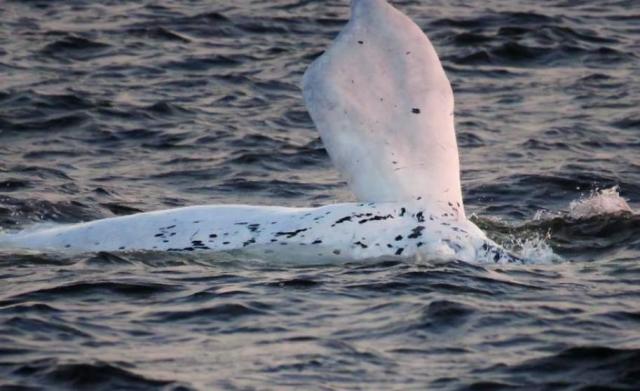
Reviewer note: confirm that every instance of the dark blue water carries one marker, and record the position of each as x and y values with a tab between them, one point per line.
110	108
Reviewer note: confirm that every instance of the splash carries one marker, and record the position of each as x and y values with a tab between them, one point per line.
534	249
598	203
527	243
544	214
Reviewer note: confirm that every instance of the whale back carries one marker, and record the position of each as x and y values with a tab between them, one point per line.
335	233
384	108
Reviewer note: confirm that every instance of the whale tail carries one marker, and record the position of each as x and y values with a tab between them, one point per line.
384	108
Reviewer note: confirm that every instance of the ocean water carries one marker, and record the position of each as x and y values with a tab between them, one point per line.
110	108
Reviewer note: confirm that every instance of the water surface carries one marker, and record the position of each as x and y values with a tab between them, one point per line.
110	108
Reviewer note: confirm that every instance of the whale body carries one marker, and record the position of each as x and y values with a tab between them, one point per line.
302	235
384	109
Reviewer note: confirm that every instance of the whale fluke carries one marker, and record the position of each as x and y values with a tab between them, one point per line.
384	108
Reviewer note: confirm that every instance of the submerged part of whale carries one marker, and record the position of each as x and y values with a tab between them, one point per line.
384	108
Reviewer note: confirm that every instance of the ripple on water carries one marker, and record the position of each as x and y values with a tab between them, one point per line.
95	376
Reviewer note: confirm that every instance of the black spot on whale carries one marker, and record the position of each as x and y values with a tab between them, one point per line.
291	234
416	232
342	220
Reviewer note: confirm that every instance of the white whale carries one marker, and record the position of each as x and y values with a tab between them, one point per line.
332	233
384	109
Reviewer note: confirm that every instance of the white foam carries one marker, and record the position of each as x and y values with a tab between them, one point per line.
534	249
599	203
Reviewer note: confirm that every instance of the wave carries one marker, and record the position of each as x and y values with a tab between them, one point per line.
98	375
582	367
599	222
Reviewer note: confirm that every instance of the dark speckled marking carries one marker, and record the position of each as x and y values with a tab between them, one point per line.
253	227
415	110
213	236
416	232
342	220
361	244
318	241
402	212
399	251
420	217
375	218
398	238
336	252
291	234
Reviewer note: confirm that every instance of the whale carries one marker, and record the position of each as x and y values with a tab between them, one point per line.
327	234
384	108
